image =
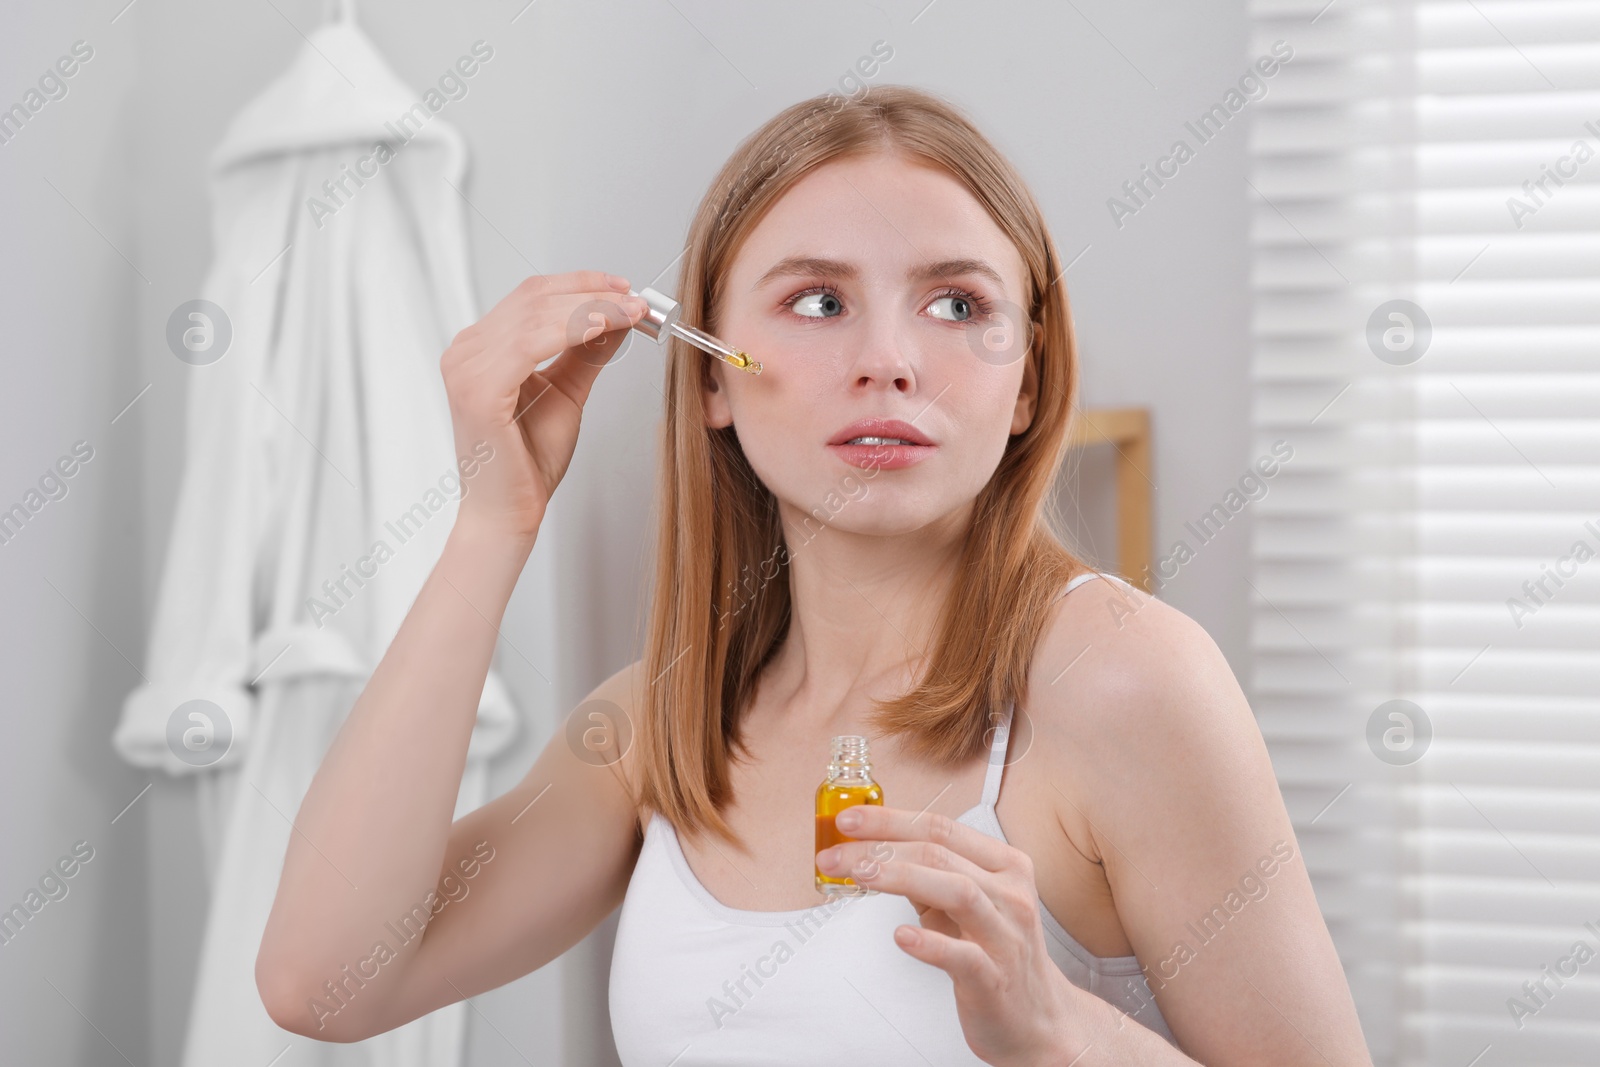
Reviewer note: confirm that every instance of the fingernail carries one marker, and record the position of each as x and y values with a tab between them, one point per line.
848	819
617	282
829	856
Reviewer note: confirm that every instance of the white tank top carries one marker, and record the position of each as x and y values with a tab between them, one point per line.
695	983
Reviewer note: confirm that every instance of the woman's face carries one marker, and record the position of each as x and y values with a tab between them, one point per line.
876	287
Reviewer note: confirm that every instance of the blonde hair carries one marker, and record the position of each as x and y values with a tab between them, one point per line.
721	594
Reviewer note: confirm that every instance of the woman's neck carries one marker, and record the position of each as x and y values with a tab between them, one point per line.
863	612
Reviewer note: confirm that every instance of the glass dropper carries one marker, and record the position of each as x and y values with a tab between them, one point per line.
662	318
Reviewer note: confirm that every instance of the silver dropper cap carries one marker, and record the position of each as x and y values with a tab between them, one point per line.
663	312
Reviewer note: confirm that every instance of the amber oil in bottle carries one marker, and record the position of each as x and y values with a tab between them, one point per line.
849	782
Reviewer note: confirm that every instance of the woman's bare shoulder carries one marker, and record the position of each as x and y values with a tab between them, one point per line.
1122	675
1143	728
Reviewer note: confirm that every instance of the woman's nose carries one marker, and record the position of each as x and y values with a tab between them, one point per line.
881	357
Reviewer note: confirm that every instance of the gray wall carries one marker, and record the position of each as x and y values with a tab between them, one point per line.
72	580
594	131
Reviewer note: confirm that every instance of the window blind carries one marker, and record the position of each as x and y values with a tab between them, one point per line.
1425	577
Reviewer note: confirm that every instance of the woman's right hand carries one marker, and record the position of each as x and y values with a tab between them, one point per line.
530	417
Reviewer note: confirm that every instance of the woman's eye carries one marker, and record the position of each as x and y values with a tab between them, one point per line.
960	309
817	305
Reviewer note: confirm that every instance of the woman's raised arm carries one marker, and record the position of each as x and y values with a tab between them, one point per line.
373	839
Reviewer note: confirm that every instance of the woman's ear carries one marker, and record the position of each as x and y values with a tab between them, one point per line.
1028	392
715	390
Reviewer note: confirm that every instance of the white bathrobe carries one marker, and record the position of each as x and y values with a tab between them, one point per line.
322	431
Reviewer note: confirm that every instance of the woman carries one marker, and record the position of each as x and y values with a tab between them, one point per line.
876	254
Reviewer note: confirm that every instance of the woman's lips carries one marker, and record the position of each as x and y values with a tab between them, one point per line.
883	457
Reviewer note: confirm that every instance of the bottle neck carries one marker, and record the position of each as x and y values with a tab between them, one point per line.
850	772
850	760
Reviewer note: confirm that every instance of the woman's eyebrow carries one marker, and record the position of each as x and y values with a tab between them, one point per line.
946	268
808	265
812	265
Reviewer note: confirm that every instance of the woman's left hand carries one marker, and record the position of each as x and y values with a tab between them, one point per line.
978	904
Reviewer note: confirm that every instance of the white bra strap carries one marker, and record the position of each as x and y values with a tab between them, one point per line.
997	760
1080	579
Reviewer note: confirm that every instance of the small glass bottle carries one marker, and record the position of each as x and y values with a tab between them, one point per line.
849	782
